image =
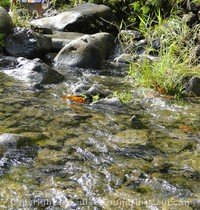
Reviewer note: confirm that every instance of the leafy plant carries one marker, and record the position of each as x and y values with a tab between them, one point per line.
95	98
125	97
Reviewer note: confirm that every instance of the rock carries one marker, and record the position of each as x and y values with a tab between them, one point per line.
136	123
13	141
6	23
140	46
195	55
89	51
97	90
60	39
7	62
193	86
134	35
86	18
190	19
109	105
126	58
26	43
109	102
31	71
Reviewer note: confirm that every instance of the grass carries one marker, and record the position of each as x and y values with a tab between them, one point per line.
125	97
21	16
176	56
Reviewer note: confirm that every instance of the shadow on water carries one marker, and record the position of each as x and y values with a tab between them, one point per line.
87	156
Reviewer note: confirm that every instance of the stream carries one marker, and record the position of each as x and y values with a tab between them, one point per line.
92	155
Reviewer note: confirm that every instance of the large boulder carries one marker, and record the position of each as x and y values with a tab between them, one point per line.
86	18
34	72
6	23
26	43
89	51
60	39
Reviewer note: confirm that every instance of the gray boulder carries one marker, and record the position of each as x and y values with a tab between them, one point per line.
33	71
26	43
60	39
193	86
86	18
89	51
6	23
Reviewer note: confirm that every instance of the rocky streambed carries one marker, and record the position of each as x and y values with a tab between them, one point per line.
82	137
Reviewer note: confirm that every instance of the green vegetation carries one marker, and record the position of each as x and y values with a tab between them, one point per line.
21	17
125	97
176	56
5	3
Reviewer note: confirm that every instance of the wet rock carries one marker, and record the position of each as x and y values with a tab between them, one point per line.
89	51
26	43
6	23
109	102
136	123
126	58
12	141
192	87
7	62
110	105
140	46
98	90
85	18
60	39
32	71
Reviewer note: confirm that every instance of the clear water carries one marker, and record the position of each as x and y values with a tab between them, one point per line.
86	157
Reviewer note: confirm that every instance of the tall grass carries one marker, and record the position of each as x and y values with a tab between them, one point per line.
175	56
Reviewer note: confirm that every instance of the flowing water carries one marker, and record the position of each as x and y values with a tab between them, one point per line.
84	156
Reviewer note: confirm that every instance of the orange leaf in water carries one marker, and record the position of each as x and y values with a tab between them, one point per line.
186	128
78	99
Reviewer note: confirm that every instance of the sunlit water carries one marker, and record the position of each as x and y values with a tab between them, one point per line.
91	157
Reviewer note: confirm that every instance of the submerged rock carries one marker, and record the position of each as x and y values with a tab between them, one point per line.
85	18
13	141
31	71
6	23
89	51
113	105
26	43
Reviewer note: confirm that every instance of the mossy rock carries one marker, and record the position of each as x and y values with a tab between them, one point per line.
6	23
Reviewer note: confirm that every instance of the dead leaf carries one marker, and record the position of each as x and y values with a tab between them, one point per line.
186	128
74	98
